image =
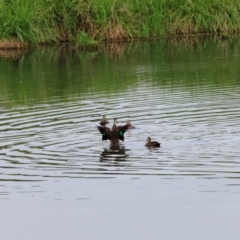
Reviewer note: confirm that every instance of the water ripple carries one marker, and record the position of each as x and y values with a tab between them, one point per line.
198	132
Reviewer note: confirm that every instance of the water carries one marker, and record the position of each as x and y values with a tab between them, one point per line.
183	94
199	136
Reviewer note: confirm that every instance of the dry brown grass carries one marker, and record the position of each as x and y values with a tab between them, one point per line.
89	26
116	33
12	43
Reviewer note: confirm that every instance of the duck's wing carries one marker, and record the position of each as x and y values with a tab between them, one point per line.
155	144
120	130
106	133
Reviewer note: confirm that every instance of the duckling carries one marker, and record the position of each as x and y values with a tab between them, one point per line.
130	126
104	121
115	134
152	143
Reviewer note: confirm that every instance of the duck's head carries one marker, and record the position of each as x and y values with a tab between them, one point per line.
148	139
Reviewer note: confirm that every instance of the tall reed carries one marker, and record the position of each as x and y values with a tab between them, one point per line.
82	21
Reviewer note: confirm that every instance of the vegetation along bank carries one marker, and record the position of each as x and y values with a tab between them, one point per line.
89	22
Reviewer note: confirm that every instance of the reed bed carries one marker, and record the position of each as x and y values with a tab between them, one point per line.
88	22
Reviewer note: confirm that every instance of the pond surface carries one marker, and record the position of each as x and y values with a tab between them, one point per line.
60	181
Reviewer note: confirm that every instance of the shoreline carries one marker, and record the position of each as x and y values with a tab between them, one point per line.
91	22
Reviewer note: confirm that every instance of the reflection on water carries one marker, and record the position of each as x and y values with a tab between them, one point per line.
114	153
49	74
184	96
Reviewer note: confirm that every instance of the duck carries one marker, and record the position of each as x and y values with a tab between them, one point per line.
104	121
115	134
130	126
114	126
152	143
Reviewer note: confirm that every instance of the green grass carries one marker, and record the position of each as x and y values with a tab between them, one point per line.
86	21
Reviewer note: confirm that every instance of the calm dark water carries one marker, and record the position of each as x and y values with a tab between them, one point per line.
183	93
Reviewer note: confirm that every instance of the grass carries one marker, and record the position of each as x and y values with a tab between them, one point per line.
88	22
12	43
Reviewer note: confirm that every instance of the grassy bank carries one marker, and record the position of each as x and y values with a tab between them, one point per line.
86	22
